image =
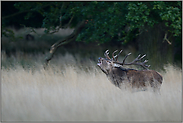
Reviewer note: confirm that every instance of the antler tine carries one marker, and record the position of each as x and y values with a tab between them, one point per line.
119	54
106	54
145	61
123	63
125	58
138	59
142	57
113	55
145	64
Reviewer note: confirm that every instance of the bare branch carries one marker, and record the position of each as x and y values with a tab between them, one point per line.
165	38
67	25
66	40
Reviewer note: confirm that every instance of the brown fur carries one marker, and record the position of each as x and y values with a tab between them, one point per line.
139	79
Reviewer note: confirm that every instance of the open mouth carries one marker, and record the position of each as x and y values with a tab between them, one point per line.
99	62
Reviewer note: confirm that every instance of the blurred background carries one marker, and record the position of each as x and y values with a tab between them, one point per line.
70	36
87	29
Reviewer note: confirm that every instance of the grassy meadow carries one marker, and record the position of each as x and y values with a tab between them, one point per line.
71	89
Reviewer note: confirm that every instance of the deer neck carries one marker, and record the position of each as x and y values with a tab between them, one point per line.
116	75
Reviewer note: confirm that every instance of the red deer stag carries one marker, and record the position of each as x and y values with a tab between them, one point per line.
136	79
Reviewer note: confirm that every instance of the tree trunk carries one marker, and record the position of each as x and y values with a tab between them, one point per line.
157	46
64	41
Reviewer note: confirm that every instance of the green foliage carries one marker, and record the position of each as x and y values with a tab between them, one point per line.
10	34
106	21
150	13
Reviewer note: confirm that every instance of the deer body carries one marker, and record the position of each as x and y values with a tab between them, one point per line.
135	78
122	77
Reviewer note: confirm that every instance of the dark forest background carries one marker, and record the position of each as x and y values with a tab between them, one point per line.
153	28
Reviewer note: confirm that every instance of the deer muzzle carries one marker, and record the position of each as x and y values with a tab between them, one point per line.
99	61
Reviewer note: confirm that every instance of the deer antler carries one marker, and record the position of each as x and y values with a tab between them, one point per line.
125	58
135	61
115	58
106	54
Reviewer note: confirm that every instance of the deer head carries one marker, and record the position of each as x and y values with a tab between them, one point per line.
106	64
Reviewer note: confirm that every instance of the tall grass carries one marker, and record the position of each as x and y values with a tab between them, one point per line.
69	91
